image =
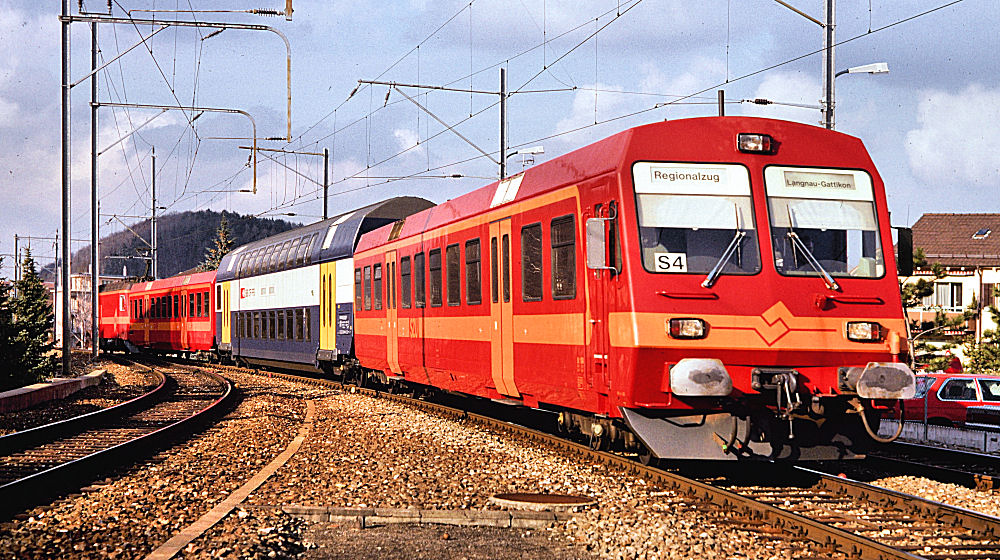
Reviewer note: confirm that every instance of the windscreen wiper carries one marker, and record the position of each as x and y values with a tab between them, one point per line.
811	259
724	259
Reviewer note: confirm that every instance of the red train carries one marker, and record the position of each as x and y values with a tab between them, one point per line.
719	287
174	314
705	288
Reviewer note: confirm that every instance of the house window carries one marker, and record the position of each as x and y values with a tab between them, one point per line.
473	273
990	296
419	283
947	295
454	275
563	258
434	265
531	262
981	234
404	272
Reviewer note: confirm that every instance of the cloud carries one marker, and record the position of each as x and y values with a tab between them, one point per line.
408	140
956	141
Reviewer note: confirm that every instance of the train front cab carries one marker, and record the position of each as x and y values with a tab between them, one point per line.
753	309
113	315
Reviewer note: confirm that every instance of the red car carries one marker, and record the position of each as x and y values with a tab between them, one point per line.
949	395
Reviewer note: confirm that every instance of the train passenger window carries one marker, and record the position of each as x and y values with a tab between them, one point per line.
368	288
281	324
452	258
378	286
473	284
303	247
563	233
283	255
292	250
265	261
418	280
271	321
434	266
256	324
306	324
312	244
197	309
190	298
505	266
177	304
357	288
298	324
264	331
218	297
207	303
289	324
404	272
531	262
494	271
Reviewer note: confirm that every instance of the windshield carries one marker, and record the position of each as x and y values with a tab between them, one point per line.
832	212
690	214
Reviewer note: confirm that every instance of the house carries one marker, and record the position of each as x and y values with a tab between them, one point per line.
968	247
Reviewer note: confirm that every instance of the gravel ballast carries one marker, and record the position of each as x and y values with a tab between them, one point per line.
365	452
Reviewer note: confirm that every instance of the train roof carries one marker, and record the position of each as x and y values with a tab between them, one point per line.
339	234
695	139
175	281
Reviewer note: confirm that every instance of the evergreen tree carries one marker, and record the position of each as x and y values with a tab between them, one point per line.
222	245
7	352
32	327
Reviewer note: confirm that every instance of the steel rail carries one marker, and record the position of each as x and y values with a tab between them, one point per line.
37	487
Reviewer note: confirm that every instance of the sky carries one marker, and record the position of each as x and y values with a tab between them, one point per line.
578	71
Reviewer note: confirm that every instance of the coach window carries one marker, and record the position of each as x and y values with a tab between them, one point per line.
207	302
303	247
368	288
289	324
271	322
531	262
256	324
404	272
453	259
265	261
563	233
494	270
309	250
378	286
306	323
218	298
505	266
190	305
177	305
357	288
298	324
434	267
197	309
281	324
419	282
292	250
473	273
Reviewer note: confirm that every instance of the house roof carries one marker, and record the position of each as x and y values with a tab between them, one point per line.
959	239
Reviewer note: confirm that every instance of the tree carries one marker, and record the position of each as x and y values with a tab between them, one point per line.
984	356
7	351
32	326
223	244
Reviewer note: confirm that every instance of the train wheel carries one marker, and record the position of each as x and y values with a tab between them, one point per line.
647	458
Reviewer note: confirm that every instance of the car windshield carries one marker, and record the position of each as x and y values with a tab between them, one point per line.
991	389
831	212
695	217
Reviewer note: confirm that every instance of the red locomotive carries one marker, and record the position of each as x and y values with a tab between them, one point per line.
719	287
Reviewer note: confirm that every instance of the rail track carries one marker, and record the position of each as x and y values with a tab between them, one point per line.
966	468
40	463
818	516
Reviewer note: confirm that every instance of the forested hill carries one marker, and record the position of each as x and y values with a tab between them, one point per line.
183	240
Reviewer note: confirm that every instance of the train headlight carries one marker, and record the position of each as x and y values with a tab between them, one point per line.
754	143
864	331
688	328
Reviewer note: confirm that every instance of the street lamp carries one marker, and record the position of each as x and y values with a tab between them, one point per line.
874	68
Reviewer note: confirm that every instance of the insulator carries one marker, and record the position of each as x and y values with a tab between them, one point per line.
762	101
266	12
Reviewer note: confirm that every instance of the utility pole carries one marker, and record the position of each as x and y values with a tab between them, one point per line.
66	225
152	222
503	123
326	180
95	269
829	73
17	263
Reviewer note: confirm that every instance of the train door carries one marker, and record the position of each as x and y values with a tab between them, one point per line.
501	310
226	332
391	315
599	286
328	306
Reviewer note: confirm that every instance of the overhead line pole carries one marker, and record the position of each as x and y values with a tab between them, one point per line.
95	232
66	217
829	72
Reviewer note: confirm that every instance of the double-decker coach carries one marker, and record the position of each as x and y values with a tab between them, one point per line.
720	287
286	301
